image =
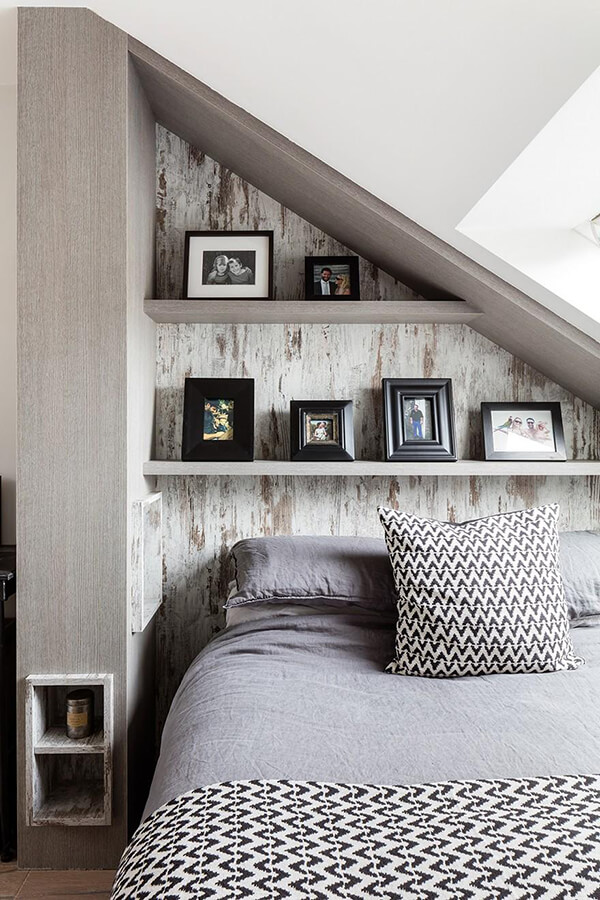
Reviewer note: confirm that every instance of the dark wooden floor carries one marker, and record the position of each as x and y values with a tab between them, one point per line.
72	885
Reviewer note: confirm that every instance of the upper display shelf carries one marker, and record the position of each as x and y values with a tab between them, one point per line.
244	312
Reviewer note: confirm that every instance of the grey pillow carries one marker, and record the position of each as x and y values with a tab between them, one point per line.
580	567
335	570
342	570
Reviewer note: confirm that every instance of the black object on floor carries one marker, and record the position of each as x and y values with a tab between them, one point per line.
8	707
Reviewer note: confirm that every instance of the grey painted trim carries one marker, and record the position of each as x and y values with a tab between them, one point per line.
141	374
366	224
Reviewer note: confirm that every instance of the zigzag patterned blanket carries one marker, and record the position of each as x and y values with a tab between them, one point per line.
472	840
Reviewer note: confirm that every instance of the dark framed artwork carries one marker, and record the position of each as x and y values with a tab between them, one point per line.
331	278
419	420
218	419
228	265
523	431
322	430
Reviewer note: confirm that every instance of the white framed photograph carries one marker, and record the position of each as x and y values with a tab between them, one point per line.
523	431
228	265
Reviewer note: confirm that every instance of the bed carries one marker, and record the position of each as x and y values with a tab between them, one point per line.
292	765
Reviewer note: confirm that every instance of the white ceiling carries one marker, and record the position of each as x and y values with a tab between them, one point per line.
425	103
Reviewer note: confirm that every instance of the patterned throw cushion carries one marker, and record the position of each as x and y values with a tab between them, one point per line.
478	598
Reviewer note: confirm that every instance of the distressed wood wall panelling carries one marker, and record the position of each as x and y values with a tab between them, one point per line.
196	193
203	517
298	362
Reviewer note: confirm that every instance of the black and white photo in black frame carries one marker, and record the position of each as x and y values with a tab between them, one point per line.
419	420
331	278
228	265
322	430
218	420
523	431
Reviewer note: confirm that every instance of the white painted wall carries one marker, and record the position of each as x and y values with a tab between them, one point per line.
8	268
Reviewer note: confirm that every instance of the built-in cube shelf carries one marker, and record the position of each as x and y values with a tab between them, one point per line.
69	781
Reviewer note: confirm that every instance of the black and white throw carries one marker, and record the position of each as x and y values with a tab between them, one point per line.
480	597
470	840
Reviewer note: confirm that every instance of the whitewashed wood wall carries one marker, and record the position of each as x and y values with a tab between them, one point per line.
203	517
196	193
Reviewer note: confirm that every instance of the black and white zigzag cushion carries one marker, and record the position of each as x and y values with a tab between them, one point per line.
478	598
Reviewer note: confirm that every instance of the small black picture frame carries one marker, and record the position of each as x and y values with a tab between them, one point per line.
218	420
209	259
523	432
322	431
340	273
419	420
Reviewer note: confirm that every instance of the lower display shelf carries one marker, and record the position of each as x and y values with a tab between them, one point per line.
73	804
363	468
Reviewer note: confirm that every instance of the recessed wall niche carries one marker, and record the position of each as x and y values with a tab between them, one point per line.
203	516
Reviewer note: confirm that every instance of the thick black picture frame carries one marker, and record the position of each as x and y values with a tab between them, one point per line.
225	235
303	452
558	455
351	261
398	446
193	447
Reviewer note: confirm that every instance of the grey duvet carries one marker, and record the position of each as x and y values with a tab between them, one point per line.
292	766
305	698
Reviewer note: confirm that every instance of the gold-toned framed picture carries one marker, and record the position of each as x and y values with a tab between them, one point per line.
321	428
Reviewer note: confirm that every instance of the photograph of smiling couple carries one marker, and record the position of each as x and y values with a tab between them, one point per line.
332	278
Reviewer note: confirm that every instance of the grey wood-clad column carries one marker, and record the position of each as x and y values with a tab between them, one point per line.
72	369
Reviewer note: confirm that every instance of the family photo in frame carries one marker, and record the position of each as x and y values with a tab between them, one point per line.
228	265
331	278
218	419
523	431
419	420
322	430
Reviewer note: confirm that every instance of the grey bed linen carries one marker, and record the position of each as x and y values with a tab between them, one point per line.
306	698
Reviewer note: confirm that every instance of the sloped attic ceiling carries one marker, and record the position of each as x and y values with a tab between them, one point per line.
366	224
